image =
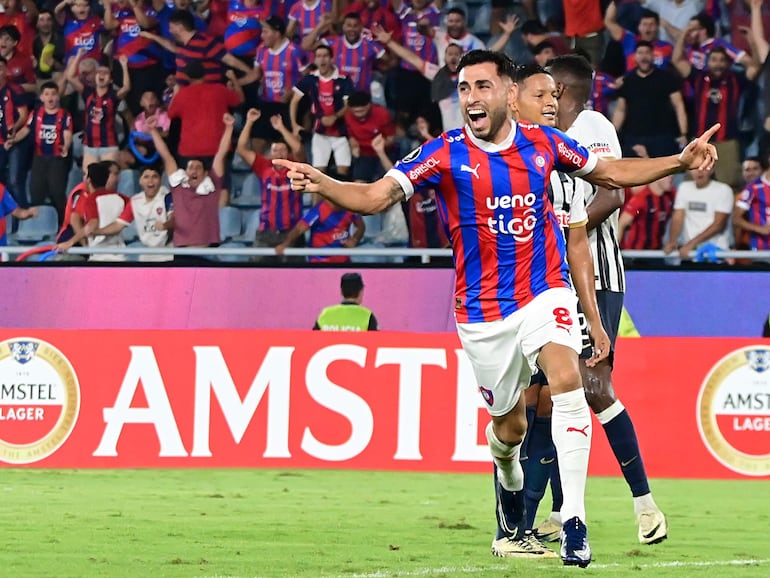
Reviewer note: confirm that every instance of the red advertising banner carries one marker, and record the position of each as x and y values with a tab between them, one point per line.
302	399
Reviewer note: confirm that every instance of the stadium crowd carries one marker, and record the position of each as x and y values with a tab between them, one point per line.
155	122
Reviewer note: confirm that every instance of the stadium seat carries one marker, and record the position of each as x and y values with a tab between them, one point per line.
229	223
250	219
232	258
249	190
43	227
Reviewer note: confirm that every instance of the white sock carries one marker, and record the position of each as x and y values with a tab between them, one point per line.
506	458
643	503
571	431
556	517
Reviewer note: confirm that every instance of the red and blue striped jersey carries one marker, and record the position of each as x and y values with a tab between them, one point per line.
207	50
281	69
75	204
327	97
661	51
602	91
698	57
163	17
47	130
507	243
426	230
243	27
329	228
12	98
716	100
7	206
141	52
755	200
308	16
413	39
100	109
83	33
356	61
281	206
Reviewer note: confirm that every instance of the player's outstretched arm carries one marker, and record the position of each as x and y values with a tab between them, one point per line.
620	173
581	266
363	198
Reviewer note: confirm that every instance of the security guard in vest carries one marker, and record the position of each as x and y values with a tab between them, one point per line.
349	315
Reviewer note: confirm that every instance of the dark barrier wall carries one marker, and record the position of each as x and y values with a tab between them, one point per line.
728	304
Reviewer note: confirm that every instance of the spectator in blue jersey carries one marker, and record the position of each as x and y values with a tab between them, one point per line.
81	28
13	116
128	18
355	54
510	323
328	92
100	136
51	129
189	46
281	208
649	26
349	315
8	206
243	28
751	214
279	66
330	228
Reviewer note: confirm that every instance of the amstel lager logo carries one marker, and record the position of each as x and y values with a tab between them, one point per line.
734	411
39	400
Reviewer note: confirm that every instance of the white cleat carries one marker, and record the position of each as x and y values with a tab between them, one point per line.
525	547
653	527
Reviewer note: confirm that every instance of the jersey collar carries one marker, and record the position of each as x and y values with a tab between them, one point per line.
490	147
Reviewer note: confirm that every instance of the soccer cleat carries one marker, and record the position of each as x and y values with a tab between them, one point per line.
525	547
575	550
548	530
653	527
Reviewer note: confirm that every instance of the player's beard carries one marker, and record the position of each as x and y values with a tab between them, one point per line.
496	119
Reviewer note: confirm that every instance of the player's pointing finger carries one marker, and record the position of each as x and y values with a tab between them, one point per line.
706	136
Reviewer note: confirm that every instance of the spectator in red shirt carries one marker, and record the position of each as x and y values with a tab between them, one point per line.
364	121
646	214
200	108
195	191
20	68
23	21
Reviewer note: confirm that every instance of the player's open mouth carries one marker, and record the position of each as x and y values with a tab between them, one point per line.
476	114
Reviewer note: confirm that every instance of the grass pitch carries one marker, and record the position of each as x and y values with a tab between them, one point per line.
326	523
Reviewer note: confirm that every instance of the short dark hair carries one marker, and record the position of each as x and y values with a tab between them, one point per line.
204	161
524	71
533	27
503	62
11	31
351	285
99	174
353	15
456	10
720	50
576	70
49	84
541	46
359	98
183	17
649	14
643	44
154	168
707	22
322	46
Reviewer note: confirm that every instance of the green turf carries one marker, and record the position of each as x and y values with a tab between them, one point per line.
196	523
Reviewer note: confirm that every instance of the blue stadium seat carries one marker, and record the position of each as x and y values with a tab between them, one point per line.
229	223
249	190
250	219
41	228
